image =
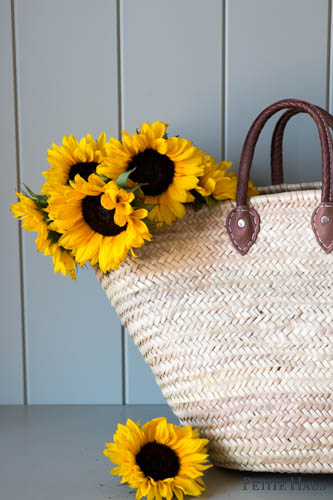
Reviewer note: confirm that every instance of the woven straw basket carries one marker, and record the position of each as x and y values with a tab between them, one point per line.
240	340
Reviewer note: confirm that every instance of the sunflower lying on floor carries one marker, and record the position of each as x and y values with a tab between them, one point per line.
160	460
101	199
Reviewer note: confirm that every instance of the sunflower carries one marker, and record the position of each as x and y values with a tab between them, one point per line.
97	221
160	460
167	168
71	158
27	211
34	220
218	182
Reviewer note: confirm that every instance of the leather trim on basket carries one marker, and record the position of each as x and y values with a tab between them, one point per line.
322	225
243	225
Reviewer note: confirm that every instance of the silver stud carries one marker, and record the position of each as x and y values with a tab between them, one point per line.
241	223
325	219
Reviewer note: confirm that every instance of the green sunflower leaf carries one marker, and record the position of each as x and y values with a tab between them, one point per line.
150	223
104	179
167	137
134	189
47	219
199	200
39	199
121	181
29	192
53	236
147	206
197	205
41	202
211	202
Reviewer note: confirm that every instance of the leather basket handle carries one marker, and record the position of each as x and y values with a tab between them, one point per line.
243	222
277	141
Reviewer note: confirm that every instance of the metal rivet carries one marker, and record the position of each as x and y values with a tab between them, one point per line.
241	223
325	219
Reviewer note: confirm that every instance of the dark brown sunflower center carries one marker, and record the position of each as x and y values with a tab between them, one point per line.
158	461
154	170
84	169
99	218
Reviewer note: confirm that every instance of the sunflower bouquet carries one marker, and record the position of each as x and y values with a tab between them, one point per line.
103	199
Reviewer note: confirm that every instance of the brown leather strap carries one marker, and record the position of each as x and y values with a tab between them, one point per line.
277	141
253	135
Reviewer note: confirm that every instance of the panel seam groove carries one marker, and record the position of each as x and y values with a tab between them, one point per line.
329	49
120	126
223	120
119	76
18	181
123	367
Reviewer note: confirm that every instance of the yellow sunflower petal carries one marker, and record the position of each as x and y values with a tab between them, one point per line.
162	433
129	144
179	494
186	181
140	213
178	209
147	131
159	129
189	487
177	193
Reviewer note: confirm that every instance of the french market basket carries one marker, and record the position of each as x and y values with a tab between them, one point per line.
233	311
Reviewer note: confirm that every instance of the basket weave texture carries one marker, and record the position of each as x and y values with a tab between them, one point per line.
241	346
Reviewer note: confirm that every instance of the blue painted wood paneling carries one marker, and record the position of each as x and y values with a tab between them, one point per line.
173	58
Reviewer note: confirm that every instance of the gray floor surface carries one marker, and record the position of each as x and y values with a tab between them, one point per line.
55	453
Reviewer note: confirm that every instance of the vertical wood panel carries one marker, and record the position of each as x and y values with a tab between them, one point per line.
276	50
11	375
172	67
67	68
141	387
171	71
